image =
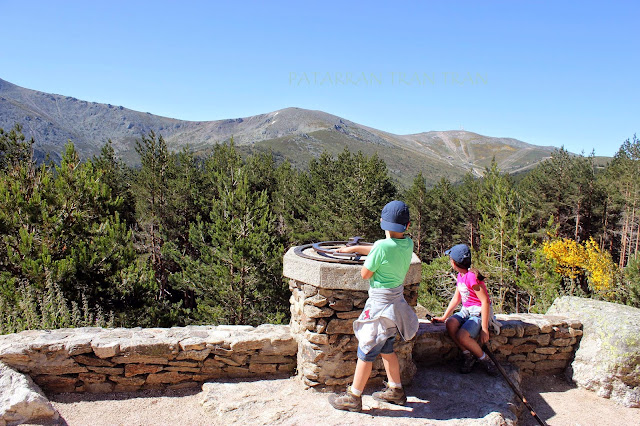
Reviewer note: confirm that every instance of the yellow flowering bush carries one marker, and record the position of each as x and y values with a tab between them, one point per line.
570	257
575	261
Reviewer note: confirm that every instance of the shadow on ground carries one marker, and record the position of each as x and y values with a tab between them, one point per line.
438	395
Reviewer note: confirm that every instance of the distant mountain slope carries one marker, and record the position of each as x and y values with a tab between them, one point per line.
293	133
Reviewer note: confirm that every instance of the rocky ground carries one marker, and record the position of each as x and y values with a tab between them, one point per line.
439	396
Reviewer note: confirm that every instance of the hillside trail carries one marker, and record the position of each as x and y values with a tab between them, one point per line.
438	396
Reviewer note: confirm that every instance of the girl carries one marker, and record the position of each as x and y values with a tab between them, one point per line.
472	321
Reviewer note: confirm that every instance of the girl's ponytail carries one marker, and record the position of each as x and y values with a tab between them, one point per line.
478	274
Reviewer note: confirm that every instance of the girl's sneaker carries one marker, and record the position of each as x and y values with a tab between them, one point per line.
467	364
392	395
346	401
489	366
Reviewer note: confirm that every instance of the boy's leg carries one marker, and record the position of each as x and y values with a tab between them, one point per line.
360	377
392	367
393	391
351	400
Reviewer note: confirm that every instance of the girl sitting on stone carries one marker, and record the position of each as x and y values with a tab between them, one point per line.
476	315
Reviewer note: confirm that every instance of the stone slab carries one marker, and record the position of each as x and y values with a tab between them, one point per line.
335	275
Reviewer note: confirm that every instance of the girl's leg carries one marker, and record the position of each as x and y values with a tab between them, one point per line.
453	326
392	367
466	342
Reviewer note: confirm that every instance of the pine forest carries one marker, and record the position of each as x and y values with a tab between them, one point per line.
185	239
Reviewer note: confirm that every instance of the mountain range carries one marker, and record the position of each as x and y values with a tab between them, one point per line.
292	133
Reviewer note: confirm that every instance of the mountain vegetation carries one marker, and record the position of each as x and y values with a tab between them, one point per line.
193	239
293	134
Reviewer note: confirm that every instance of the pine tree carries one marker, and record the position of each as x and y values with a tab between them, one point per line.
416	199
151	188
501	237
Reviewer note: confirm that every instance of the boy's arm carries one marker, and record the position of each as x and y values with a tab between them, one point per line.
455	301
355	249
365	273
485	311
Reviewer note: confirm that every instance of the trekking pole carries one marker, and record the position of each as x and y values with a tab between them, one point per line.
513	387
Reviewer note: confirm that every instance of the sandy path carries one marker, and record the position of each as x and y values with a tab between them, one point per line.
285	402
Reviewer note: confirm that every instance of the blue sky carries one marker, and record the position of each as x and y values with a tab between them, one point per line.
561	73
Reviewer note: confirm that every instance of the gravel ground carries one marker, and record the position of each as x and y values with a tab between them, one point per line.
436	398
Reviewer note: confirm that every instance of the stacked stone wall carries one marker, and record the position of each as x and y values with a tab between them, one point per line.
104	360
535	343
322	321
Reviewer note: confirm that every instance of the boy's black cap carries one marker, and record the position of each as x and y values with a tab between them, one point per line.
460	254
395	216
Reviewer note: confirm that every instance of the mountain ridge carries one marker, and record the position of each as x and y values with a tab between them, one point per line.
293	133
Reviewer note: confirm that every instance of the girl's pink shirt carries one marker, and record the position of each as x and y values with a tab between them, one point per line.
465	282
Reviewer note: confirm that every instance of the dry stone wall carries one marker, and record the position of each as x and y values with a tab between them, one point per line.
326	298
535	343
322	322
319	344
104	360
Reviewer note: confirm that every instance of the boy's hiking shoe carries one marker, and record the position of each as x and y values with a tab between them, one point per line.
489	366
346	401
392	395
467	364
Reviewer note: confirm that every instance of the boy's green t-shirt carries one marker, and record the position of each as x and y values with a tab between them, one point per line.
389	261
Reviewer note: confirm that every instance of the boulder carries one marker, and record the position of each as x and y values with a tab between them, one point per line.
608	358
21	400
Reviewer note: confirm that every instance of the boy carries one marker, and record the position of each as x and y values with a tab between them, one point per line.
386	311
475	316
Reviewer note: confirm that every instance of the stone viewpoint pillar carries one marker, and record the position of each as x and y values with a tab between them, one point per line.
326	299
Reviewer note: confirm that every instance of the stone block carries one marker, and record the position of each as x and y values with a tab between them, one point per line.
107	370
237	372
127	381
190	364
348	314
317	300
196	355
168	377
314	312
136	369
333	275
184	369
535	356
93	361
517	358
338	326
21	400
318	339
561	342
546	350
263	368
523	348
57	384
341	305
105	387
561	332
192	344
321	325
269	359
140	359
92	377
562	355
